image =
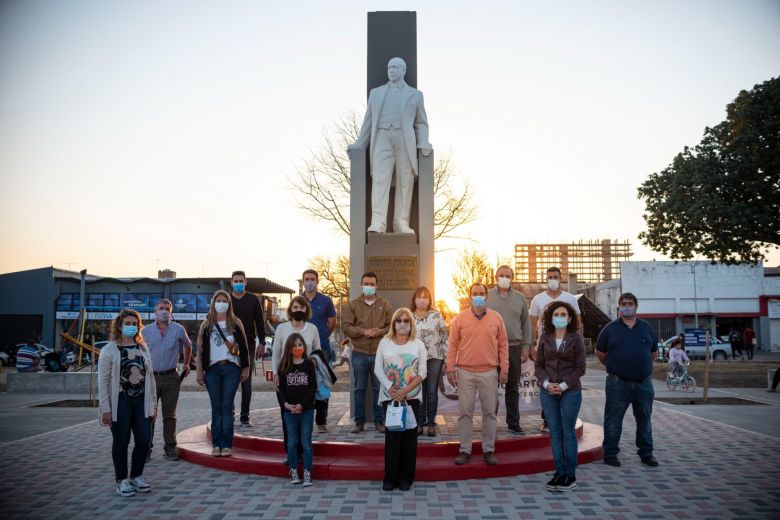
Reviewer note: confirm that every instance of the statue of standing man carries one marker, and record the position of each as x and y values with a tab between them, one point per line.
397	127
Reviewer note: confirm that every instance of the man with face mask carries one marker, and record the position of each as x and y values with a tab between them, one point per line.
554	292
513	308
477	362
249	309
627	347
164	339
366	320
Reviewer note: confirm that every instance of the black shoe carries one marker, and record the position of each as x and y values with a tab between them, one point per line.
771	390
387	486
246	424
515	429
567	483
612	461
405	487
650	461
552	485
170	453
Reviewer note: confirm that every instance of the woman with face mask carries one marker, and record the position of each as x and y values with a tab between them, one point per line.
298	316
560	363
127	395
297	386
432	331
400	367
222	364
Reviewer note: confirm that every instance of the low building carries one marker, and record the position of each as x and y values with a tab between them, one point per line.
42	303
674	296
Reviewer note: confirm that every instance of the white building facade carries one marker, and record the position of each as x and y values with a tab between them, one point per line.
674	296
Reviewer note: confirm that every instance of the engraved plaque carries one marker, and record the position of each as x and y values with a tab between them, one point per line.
394	272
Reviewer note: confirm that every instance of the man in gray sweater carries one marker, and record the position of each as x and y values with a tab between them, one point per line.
513	308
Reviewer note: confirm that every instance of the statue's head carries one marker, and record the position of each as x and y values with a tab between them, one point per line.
396	69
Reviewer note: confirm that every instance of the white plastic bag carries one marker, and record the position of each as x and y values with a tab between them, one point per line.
395	417
411	420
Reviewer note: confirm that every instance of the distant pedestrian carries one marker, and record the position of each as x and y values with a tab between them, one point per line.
297	387
560	363
27	358
345	351
400	367
222	364
735	340
627	346
165	340
323	316
749	341
248	307
775	381
128	399
477	362
432	331
677	357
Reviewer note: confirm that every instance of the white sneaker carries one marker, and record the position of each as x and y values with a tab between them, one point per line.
125	488
294	478
307	479
140	485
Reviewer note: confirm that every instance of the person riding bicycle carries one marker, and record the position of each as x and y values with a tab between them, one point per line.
676	357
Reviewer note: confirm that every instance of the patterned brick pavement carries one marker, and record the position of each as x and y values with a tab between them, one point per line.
709	471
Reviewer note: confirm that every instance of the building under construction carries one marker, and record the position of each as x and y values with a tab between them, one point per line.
593	261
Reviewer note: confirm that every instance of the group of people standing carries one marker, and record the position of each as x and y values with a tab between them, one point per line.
742	343
403	352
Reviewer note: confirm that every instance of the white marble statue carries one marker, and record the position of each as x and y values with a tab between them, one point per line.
397	126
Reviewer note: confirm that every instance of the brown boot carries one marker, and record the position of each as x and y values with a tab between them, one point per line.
463	458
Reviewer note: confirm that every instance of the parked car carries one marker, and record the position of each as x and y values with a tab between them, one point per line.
719	349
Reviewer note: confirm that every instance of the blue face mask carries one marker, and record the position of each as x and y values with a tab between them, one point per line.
560	322
369	290
627	311
239	287
129	330
478	301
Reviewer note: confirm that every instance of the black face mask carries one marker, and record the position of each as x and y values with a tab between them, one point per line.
298	315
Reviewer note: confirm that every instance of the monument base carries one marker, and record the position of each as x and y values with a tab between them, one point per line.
340	455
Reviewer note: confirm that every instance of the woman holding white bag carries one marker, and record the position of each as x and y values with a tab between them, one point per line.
400	366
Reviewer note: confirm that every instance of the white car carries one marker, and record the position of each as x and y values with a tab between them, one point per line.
719	350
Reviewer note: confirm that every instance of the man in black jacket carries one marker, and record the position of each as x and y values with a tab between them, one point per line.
249	309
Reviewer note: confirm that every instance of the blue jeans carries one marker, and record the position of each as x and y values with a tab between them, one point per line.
362	368
621	394
431	392
222	384
299	427
130	418
561	413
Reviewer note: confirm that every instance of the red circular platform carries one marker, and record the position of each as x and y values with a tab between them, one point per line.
364	459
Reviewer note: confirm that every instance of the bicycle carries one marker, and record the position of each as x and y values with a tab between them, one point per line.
683	379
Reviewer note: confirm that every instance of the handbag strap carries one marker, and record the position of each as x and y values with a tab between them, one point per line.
219	329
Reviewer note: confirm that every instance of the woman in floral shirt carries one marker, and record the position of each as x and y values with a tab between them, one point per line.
432	331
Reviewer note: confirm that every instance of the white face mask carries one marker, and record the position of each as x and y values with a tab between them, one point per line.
421	303
163	315
553	284
221	307
504	282
403	329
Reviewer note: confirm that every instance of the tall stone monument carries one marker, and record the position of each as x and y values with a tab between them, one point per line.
391	213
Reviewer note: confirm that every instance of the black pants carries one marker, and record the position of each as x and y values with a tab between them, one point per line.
750	349
512	397
246	387
776	379
130	417
736	348
401	451
321	412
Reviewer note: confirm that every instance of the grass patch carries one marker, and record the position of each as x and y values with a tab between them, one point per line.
711	400
723	374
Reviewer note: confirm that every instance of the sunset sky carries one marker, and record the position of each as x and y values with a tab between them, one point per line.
146	134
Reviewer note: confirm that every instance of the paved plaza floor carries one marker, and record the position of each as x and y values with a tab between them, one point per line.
717	462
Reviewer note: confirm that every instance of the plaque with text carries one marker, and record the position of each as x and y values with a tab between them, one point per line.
394	272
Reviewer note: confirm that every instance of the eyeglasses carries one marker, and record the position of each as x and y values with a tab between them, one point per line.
402	321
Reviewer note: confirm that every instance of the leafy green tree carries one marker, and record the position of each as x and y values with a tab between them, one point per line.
721	199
